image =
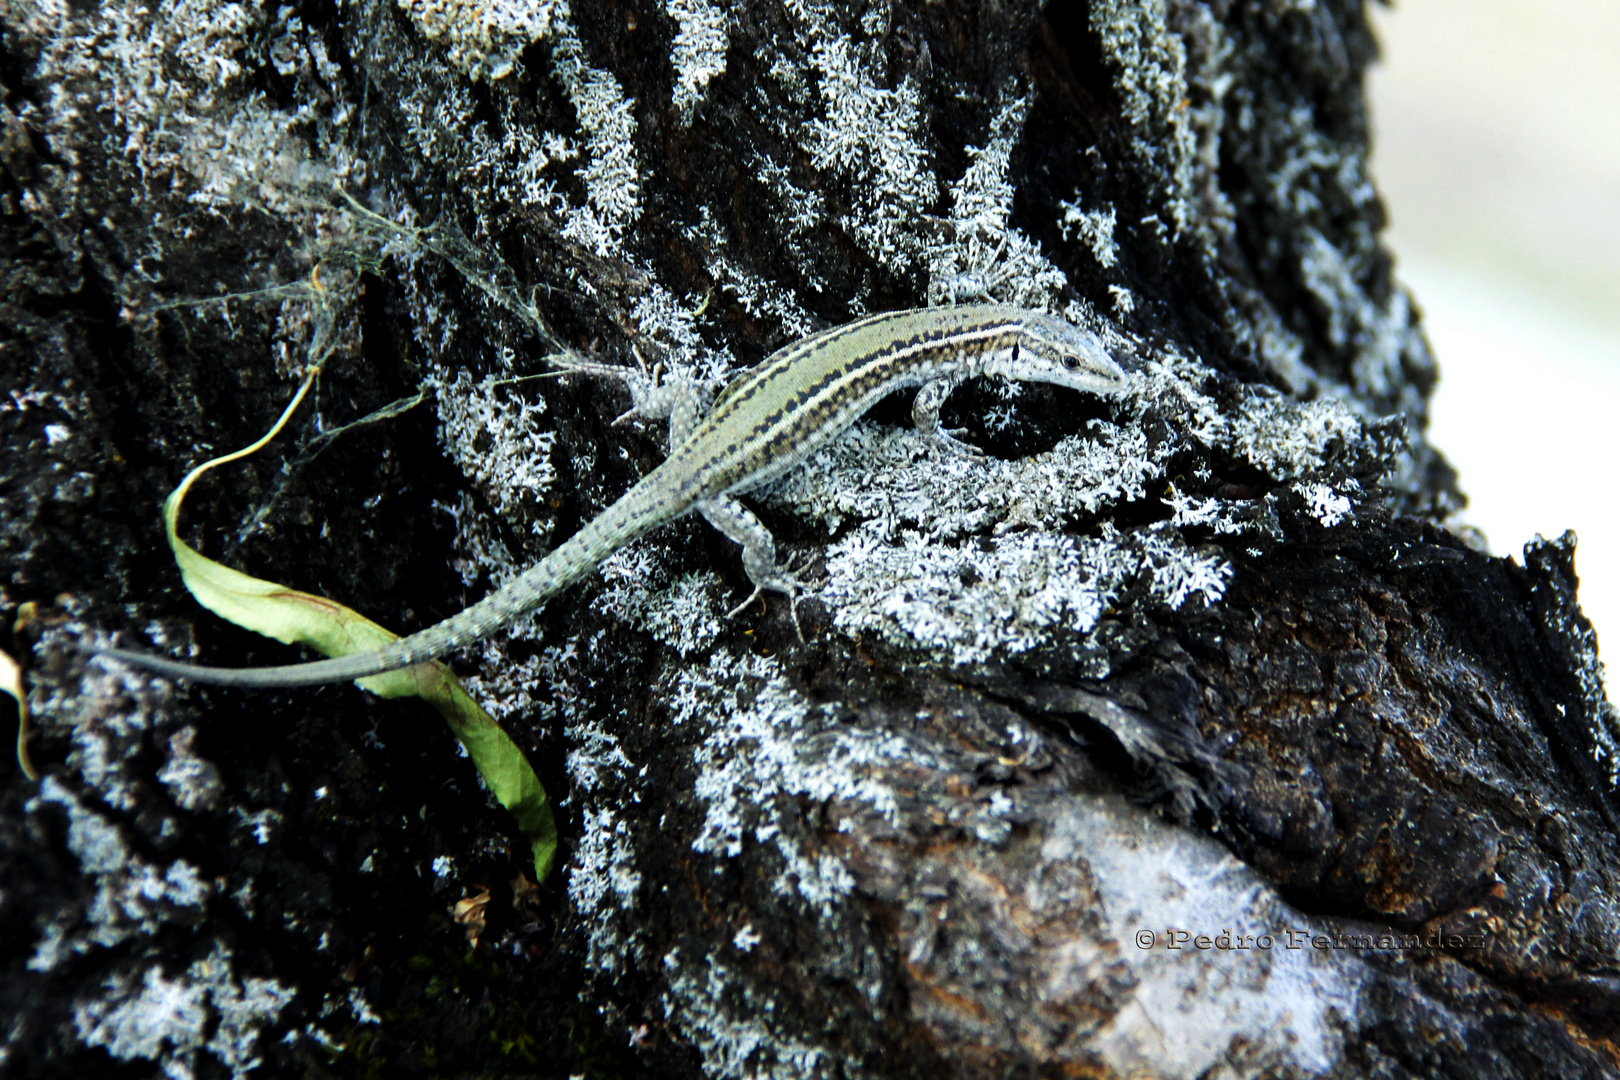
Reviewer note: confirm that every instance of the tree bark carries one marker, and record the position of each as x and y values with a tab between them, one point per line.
1179	738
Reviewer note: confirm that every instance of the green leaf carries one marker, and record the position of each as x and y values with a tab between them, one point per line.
300	618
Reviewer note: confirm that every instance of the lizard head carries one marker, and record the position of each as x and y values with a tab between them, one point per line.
1053	350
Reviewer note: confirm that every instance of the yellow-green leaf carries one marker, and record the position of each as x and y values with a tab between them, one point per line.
11	683
300	618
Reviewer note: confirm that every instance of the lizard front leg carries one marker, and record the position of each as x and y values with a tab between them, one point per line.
925	414
738	524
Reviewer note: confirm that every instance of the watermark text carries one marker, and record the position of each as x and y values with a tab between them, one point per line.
1176	938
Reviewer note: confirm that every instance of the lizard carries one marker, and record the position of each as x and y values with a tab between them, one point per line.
765	421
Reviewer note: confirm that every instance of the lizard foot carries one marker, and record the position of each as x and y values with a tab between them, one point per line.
950	439
787	579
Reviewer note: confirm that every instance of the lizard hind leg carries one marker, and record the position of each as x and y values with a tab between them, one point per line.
738	524
653	394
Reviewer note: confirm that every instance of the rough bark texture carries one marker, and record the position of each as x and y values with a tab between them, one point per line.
1179	739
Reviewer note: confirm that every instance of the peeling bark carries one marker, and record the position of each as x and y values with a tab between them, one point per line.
1075	729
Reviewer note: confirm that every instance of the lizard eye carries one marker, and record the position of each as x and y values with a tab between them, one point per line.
1071	362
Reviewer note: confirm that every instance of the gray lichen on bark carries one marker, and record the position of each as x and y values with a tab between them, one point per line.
1203	660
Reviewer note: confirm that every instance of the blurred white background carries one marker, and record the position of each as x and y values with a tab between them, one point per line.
1496	128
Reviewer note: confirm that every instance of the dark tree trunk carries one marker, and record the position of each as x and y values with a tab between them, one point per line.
1179	738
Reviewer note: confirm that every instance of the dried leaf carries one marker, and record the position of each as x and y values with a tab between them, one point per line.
469	912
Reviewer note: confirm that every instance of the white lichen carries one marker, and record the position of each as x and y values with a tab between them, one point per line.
162	1020
1325	504
1004	595
899	479
607	119
758	296
672	325
95	842
479	552
133	897
594	756
970	601
511	156
602	885
683	613
484	38
1095	228
360	1008
801	211
1179	574
167	1021
176	83
698	52
1149	62
1380	333
763	746
603	881
1222	516
260	824
871	138
729	1022
494	436
983	258
1289	439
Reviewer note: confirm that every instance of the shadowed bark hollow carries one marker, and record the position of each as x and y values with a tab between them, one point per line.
1179	736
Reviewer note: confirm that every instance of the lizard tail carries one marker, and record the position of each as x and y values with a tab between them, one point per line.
338	669
573	559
